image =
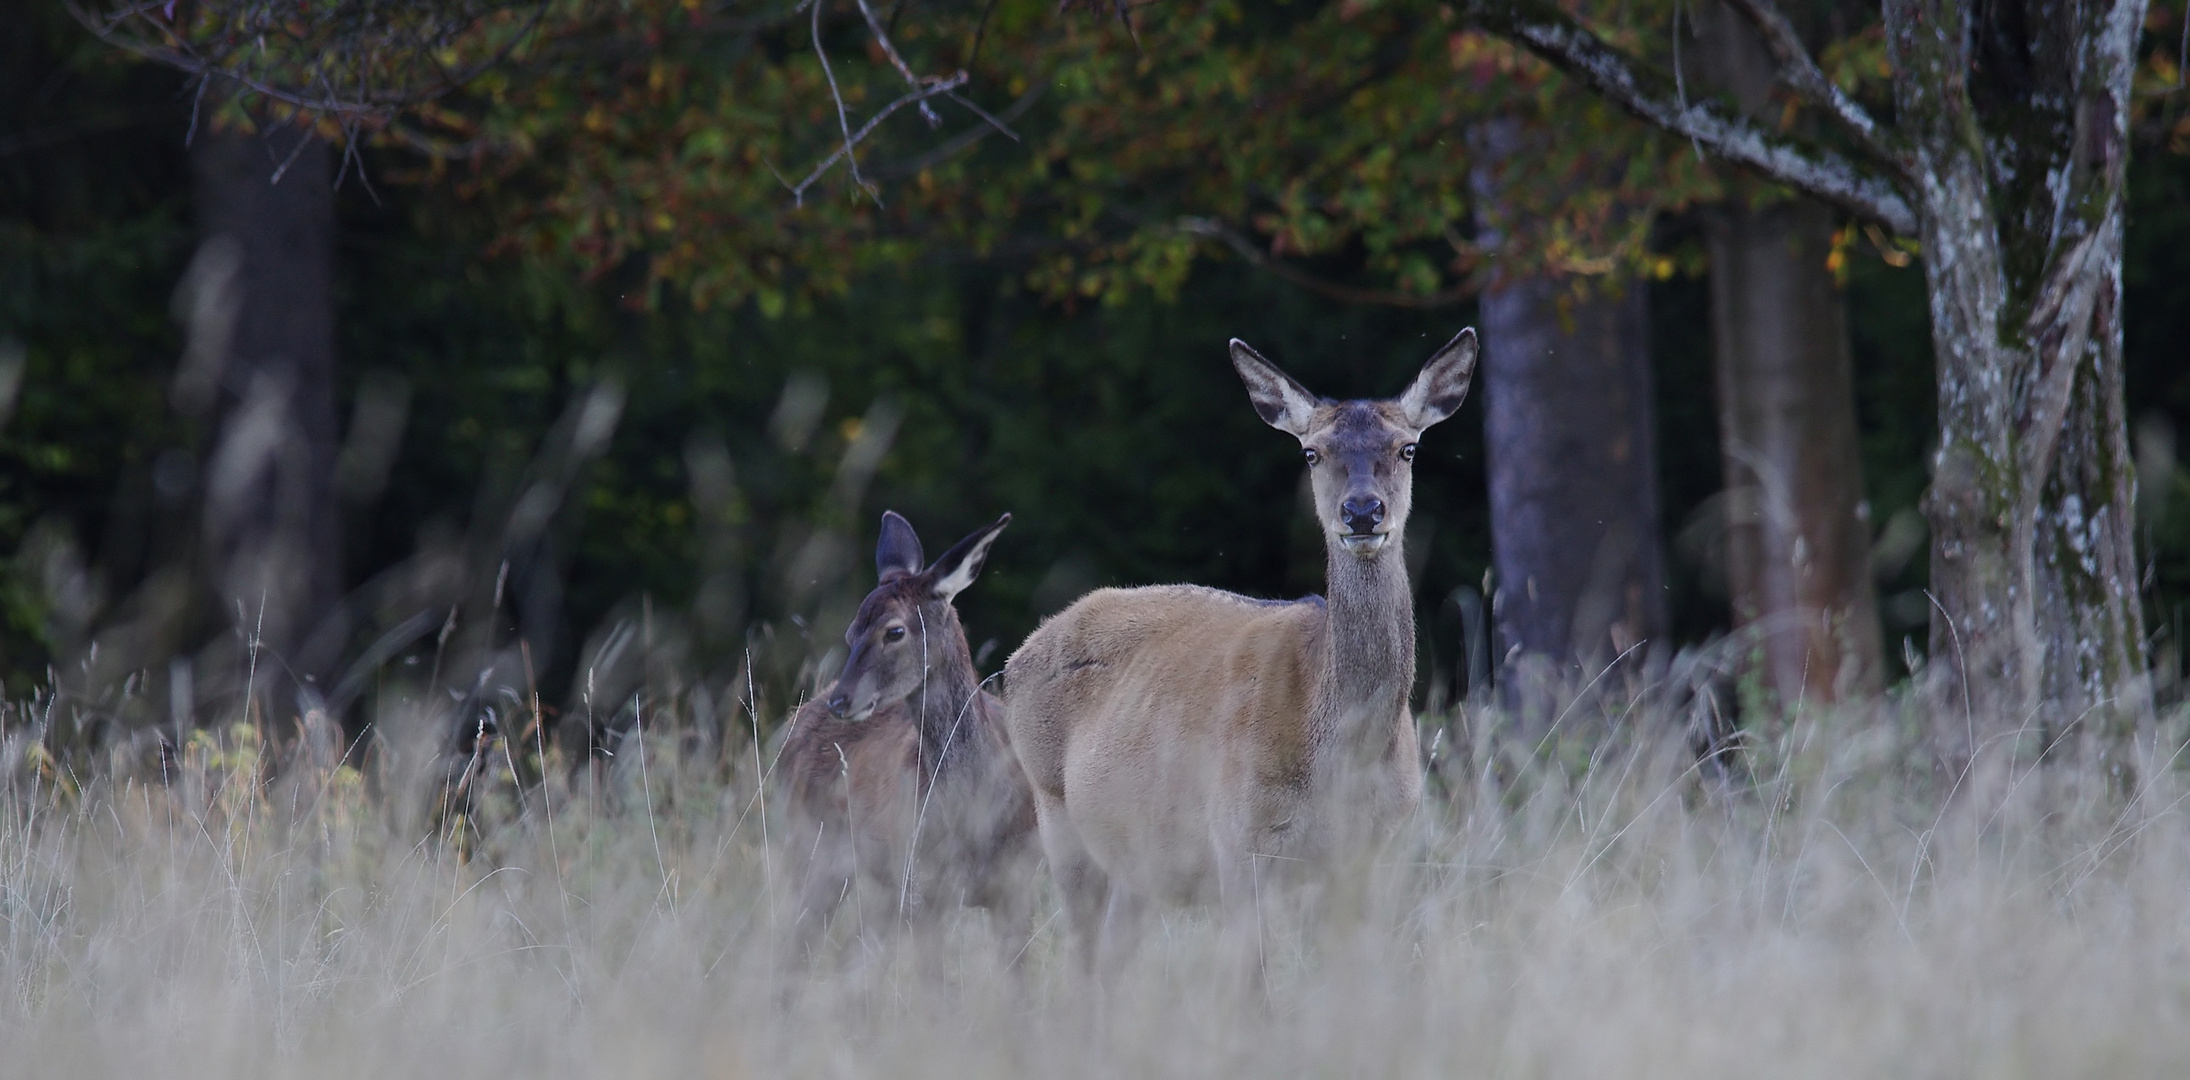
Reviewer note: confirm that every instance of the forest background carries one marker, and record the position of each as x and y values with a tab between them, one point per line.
597	371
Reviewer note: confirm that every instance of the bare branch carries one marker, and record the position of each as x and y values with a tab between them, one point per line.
1549	32
959	143
994	122
333	45
882	38
1809	82
843	120
854	138
1246	249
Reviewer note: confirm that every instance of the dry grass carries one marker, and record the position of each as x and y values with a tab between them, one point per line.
1600	910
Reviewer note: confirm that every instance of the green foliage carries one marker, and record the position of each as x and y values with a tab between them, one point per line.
1037	318
1337	134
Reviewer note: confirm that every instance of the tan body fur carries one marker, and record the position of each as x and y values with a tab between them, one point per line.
856	787
904	794
1192	745
1183	743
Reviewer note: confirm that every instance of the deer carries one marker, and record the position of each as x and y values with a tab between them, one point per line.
1175	735
903	791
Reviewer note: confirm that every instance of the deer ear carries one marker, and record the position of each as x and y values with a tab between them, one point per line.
898	552
1437	392
962	563
1280	400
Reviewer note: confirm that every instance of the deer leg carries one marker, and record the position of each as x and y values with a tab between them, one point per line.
1081	882
1123	917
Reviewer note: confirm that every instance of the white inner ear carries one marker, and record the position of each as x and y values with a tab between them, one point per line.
1300	409
1455	363
1265	383
950	585
1416	402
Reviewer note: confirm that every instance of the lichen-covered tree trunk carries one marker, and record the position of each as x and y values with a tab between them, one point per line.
2006	159
2086	568
2017	121
1798	546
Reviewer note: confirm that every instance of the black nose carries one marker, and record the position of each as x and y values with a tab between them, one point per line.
1361	514
840	704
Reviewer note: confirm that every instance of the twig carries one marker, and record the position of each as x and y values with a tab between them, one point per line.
853	138
162	44
798	194
984	113
882	38
960	142
304	139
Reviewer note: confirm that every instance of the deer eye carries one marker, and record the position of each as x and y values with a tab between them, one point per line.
1311	455
894	633
1406	453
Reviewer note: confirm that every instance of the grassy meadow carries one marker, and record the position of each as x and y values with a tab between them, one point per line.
1818	903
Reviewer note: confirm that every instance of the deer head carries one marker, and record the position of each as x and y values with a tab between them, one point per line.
1360	453
906	629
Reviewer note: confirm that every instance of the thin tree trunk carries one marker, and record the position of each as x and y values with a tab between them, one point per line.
1568	432
270	506
1571	444
1798	544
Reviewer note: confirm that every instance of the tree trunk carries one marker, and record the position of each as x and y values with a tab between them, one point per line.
1572	455
2006	160
1798	543
270	504
1568	431
2020	135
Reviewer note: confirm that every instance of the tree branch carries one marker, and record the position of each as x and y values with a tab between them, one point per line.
1809	82
843	122
959	143
854	138
2059	328
1549	32
134	29
882	38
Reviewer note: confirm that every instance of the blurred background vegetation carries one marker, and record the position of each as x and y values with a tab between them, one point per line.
736	500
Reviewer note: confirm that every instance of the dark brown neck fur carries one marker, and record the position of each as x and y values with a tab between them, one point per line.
944	705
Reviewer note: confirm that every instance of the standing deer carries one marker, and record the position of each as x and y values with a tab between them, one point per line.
903	790
1175	734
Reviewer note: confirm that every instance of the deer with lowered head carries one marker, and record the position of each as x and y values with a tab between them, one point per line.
1174	735
904	793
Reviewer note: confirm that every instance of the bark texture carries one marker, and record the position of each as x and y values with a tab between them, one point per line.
1798	542
2018	118
2006	161
266	378
1569	435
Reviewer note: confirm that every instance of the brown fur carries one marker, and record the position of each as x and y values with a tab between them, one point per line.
1177	736
903	792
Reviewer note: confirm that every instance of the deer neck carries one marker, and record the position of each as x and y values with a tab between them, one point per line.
1368	666
944	703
